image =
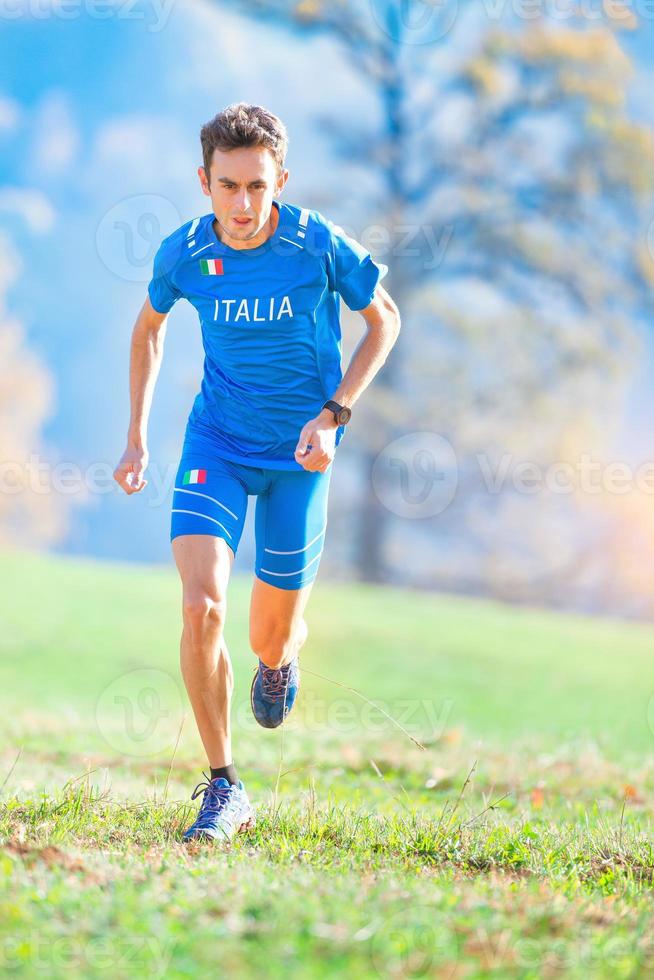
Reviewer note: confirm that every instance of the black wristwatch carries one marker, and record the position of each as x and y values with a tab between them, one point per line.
342	415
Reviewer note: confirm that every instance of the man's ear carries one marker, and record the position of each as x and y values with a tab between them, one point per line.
204	183
281	181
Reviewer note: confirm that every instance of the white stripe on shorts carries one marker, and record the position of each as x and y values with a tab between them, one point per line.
196	513
299	550
296	572
196	493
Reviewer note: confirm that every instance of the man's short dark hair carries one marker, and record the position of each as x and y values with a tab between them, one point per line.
239	125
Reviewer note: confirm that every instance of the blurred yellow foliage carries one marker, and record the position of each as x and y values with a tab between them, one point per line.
597	48
31	512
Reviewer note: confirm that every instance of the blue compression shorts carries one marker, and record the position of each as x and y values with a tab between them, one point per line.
211	497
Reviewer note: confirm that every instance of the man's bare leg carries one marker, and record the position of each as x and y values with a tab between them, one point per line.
278	629
204	562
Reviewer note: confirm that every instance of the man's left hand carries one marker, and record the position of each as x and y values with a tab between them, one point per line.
317	443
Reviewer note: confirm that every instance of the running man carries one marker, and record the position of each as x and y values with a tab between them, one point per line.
266	279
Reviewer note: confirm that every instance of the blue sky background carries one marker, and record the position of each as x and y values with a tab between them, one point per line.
110	111
95	113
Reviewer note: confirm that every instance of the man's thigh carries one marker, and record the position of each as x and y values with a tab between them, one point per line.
209	498
290	527
204	563
206	522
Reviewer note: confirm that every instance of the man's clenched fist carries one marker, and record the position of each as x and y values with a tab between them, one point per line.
129	472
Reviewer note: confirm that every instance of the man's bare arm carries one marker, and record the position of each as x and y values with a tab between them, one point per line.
146	354
382	329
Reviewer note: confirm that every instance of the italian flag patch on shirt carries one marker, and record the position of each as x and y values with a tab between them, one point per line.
211	267
195	476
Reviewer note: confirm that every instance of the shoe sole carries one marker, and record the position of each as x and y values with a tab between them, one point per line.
202	836
260	723
269	728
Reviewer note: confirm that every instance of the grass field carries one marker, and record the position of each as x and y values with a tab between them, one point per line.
516	842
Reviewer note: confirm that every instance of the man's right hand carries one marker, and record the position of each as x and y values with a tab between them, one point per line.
129	472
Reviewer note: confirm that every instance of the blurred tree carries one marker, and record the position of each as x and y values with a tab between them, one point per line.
32	513
512	188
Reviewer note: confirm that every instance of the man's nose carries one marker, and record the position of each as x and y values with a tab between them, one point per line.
242	200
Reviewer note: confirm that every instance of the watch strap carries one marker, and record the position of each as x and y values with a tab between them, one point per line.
336	409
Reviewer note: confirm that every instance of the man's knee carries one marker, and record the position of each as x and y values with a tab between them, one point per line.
204	610
276	643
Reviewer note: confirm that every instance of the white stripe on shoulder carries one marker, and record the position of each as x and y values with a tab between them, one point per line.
290	241
198	250
194	224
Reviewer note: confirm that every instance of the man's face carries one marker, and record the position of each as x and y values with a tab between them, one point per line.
243	183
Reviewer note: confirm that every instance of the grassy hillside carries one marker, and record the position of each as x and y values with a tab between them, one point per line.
514	842
499	673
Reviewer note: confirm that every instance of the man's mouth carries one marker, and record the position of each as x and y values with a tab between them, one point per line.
242	221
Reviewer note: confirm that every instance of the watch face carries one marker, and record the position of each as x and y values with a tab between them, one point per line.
344	415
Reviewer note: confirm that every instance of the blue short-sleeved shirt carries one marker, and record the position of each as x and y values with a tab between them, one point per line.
270	319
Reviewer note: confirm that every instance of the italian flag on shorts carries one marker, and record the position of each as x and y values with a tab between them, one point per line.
195	476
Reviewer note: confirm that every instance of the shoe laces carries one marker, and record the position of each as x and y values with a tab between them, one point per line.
274	681
217	799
